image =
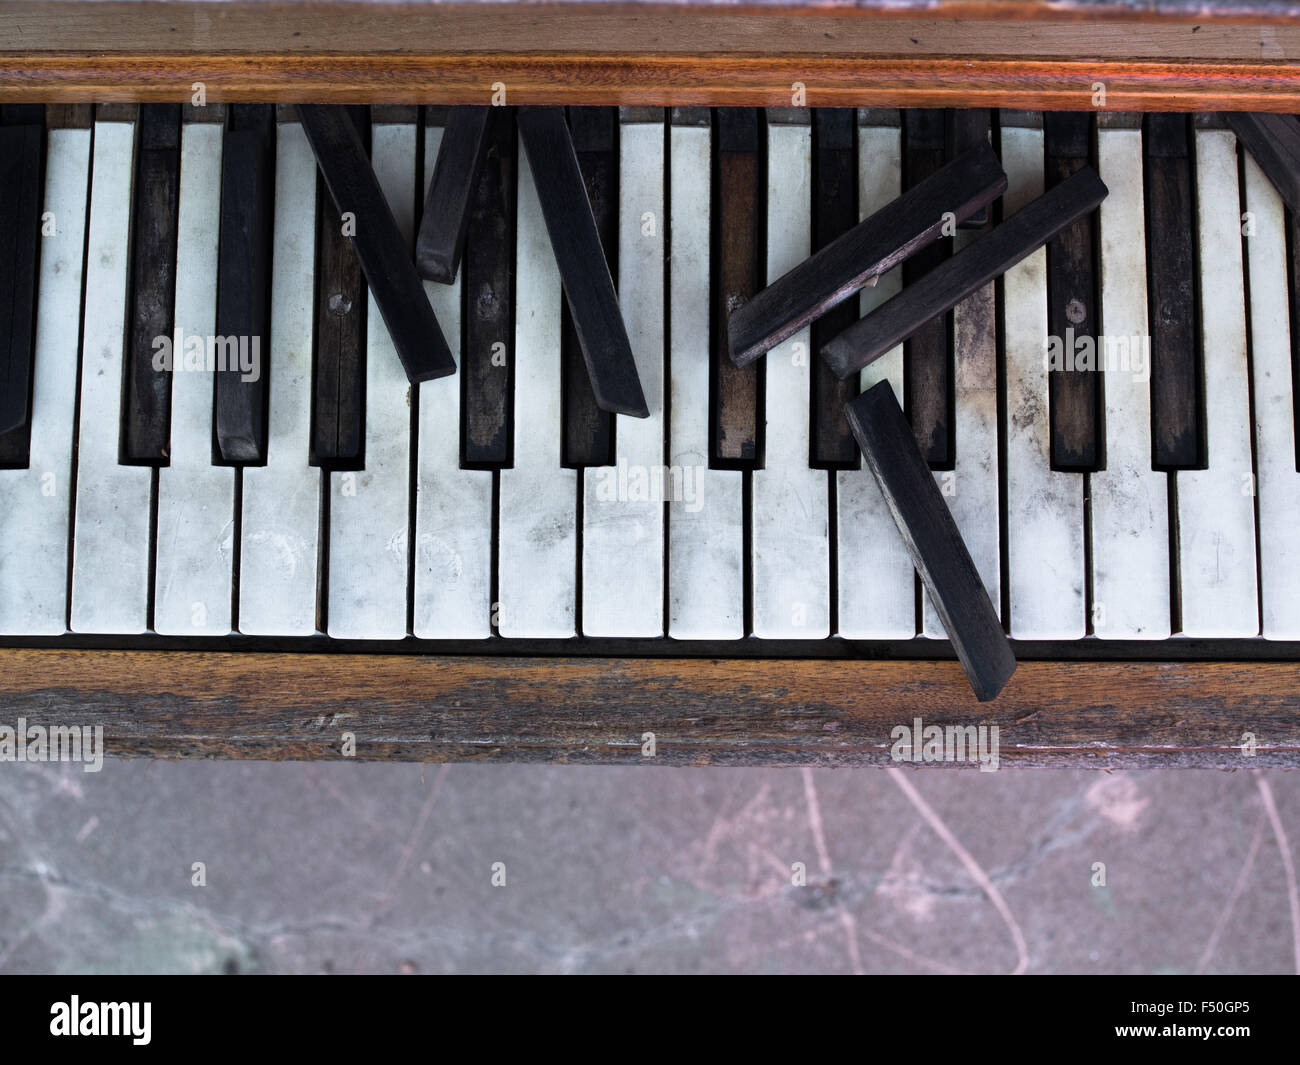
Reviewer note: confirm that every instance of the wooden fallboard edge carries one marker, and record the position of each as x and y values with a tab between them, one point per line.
178	704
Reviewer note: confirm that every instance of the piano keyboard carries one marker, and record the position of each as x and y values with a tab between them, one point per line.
728	513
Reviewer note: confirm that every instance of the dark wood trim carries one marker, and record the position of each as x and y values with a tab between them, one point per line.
179	704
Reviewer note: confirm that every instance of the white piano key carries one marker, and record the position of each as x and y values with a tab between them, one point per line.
538	535
196	500
453	507
280	525
791	547
369	532
623	505
1216	506
875	580
706	527
1275	457
1045	531
35	503
110	552
1130	500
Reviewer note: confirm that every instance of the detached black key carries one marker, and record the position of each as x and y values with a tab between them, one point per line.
588	430
835	212
1072	303
489	284
932	539
963	129
21	167
969	270
1177	401
244	283
870	248
384	256
147	392
446	209
1274	142
736	275
588	286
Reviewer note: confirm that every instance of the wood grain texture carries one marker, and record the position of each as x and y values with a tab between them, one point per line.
594	710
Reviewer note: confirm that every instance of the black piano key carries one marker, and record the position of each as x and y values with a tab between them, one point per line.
933	540
963	129
338	410
1075	406
489	287
441	239
385	258
738	200
835	212
244	283
588	285
1177	400
146	391
589	430
927	357
21	167
969	270
1274	143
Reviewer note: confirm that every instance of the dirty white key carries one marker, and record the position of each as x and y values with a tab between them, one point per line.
196	500
110	552
1216	506
1130	500
875	581
791	548
453	507
279	535
35	503
538	534
706	531
368	534
623	508
1044	507
1279	483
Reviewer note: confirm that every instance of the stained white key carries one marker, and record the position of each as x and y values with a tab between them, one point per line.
538	534
1275	457
453	507
791	548
35	503
706	530
1216	506
623	505
110	552
1044	507
196	500
1130	500
369	534
875	580
279	534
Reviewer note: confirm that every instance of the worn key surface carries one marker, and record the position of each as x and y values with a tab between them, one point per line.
932	539
384	257
21	169
447	206
873	246
575	242
965	127
1274	143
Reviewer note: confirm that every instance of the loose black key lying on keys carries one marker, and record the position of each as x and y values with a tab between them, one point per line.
589	430
244	282
1176	394
1072	302
737	197
338	412
928	362
147	392
835	212
1274	142
932	539
588	286
964	128
870	248
385	258
21	159
447	207
970	269
489	283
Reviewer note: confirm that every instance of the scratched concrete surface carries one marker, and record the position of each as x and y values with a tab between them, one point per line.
378	868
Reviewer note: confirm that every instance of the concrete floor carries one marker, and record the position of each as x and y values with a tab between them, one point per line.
389	868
